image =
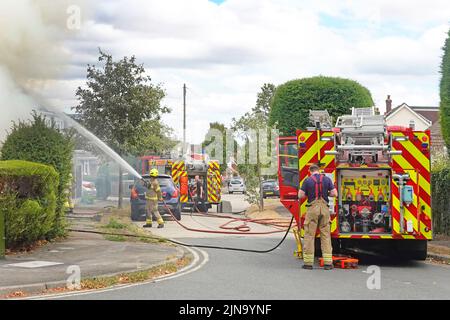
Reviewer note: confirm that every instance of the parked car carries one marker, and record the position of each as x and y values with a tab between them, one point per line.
270	188
88	189
170	194
236	185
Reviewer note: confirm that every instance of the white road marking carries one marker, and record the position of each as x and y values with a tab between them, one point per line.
184	271
34	264
181	273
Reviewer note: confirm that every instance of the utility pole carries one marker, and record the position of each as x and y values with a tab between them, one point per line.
184	118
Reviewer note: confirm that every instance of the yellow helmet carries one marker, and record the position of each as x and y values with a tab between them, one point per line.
154	173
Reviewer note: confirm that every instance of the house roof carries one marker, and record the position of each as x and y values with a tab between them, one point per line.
429	113
404	105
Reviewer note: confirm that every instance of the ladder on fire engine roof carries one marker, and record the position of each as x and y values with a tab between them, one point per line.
363	111
362	124
361	134
320	120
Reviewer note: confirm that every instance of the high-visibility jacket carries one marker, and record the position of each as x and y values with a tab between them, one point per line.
154	190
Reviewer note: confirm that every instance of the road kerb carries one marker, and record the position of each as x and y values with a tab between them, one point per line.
38	288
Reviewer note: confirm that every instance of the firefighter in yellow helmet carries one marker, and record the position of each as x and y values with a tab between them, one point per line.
153	195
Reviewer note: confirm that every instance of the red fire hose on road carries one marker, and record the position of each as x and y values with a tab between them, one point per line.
222	232
241	229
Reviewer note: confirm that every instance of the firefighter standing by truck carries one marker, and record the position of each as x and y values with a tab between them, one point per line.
152	196
199	195
317	188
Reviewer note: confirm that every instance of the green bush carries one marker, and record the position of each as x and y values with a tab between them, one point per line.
293	100
445	92
40	141
28	201
440	190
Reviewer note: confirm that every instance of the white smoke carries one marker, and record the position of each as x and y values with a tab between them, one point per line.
32	53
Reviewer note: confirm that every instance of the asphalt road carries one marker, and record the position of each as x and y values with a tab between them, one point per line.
221	274
278	275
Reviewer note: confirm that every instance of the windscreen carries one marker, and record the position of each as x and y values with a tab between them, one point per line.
164	182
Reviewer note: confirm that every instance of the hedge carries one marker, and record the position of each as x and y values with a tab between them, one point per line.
293	100
445	93
440	204
39	140
28	200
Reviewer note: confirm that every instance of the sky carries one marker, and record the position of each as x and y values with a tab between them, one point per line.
225	50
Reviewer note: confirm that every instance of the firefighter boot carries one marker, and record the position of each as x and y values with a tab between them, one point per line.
148	223
160	223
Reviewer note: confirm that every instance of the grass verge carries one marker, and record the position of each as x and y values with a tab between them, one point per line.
117	222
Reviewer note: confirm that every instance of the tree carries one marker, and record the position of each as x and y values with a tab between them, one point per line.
216	128
121	106
40	141
250	127
154	137
264	100
293	100
445	93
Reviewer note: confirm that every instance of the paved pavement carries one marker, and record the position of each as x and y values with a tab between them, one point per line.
237	200
47	266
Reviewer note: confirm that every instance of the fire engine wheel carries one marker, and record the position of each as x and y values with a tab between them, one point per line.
396	249
412	249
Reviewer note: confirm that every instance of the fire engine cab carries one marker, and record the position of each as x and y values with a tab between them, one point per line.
382	175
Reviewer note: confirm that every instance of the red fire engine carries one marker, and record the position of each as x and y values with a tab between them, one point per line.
382	175
183	172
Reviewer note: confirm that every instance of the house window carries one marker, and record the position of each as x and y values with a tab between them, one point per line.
412	124
86	169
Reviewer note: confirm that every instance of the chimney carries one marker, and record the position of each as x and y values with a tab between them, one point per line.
388	104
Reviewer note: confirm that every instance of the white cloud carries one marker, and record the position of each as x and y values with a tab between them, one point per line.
225	53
